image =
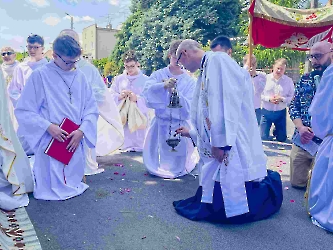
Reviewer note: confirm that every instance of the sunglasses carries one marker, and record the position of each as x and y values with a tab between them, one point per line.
68	63
8	53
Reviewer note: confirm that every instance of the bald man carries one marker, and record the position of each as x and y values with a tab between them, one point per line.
301	160
235	186
110	134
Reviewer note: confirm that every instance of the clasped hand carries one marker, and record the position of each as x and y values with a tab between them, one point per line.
276	99
169	84
128	93
61	135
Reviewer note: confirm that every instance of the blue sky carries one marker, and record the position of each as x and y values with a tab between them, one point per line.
20	18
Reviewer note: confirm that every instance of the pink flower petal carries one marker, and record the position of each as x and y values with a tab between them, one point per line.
116	173
118	165
123	174
292	201
280	170
285	163
286	188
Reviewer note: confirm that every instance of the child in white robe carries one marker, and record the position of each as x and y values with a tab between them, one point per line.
54	92
130	84
157	155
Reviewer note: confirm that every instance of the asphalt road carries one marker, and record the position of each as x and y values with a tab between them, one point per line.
125	208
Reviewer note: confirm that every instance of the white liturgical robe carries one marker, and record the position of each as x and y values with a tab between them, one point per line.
321	186
222	113
133	141
45	100
110	132
15	172
8	71
157	155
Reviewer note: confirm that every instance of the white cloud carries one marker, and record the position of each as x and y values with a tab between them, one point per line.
2	28
114	2
77	19
52	21
39	3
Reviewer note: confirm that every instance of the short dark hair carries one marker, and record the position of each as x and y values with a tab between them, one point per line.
223	41
67	46
130	56
35	39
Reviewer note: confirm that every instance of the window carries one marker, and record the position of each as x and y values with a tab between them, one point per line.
92	45
92	33
85	46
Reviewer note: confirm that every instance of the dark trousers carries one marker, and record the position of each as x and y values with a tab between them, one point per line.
279	119
258	115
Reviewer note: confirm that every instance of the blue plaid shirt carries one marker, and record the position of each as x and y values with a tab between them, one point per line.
305	90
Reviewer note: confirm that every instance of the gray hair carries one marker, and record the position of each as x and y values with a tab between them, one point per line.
70	33
67	46
188	44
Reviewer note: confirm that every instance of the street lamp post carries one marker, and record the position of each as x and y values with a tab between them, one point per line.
71	20
23	51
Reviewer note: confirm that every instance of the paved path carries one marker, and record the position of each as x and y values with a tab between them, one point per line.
125	209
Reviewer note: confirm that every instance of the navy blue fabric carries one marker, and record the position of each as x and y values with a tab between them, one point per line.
279	118
258	115
264	199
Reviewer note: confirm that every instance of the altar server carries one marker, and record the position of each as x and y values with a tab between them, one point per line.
54	92
157	156
130	85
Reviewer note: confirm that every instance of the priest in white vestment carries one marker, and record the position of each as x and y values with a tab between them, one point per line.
35	47
157	155
8	66
110	132
321	186
130	85
15	173
54	92
235	186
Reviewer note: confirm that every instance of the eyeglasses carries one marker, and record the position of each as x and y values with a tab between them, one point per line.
68	63
130	67
317	56
29	47
180	55
8	53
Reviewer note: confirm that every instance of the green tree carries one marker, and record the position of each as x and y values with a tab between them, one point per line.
154	24
100	63
111	68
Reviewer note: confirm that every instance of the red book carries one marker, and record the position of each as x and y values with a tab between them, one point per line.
57	149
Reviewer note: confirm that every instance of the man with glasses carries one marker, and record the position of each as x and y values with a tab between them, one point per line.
35	46
130	85
8	66
235	186
53	92
301	161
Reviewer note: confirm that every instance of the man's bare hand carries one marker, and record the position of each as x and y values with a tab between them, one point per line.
76	136
218	154
185	132
57	133
306	134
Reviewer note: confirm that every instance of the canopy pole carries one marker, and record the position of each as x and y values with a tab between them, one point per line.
250	35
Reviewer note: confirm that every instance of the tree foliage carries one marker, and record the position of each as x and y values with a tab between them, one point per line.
154	24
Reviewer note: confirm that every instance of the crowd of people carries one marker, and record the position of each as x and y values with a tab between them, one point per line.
221	119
